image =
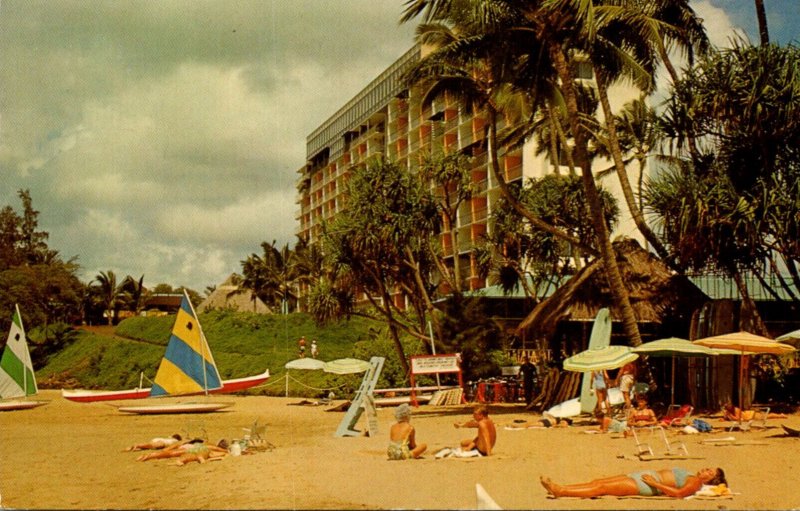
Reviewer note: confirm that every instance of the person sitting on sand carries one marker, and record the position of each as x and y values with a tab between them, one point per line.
674	482
155	443
734	413
403	444
642	415
487	434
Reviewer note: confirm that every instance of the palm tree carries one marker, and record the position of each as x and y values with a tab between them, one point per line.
133	292
109	293
553	31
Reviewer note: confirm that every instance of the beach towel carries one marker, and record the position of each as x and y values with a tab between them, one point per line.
456	453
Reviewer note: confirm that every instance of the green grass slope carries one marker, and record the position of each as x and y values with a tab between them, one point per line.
242	344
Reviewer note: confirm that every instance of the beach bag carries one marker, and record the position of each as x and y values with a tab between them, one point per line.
701	426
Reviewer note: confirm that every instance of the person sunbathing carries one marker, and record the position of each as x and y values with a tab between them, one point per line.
734	413
402	437
674	482
155	443
188	451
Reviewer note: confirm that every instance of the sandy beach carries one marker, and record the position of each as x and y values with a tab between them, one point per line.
69	456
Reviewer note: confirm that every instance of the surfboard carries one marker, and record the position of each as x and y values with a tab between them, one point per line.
572	407
19	405
600	338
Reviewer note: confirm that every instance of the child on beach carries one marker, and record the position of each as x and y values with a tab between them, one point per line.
403	444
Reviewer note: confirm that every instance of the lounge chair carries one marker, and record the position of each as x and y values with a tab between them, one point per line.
677	415
644	448
759	419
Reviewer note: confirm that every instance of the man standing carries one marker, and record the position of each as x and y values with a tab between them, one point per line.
528	371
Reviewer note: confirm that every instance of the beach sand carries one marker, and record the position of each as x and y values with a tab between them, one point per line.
69	456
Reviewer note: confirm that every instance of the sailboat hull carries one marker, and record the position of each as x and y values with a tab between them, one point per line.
91	396
171	408
7	406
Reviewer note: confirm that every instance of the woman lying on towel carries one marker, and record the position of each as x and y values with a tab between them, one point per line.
675	482
734	413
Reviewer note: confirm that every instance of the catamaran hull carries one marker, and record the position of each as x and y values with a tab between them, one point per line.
91	396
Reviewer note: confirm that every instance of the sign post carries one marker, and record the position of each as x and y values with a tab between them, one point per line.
435	364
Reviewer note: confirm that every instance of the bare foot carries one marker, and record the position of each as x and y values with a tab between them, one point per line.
548	485
179	463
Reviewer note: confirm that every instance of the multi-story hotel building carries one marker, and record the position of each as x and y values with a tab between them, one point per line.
387	118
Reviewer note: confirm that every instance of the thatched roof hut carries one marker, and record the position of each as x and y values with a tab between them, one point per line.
656	293
229	295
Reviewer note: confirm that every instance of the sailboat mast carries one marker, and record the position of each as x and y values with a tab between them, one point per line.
27	355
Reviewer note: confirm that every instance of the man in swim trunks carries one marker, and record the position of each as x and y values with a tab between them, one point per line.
487	433
674	482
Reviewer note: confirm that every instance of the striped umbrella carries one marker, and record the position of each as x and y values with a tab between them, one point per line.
670	347
346	366
746	344
792	338
608	357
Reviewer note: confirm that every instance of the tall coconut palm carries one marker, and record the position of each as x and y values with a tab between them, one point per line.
109	293
554	30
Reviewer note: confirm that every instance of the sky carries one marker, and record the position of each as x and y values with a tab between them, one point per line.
162	138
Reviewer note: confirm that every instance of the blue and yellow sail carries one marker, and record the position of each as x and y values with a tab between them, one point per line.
188	366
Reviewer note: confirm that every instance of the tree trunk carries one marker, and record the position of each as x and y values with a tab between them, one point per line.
615	282
519	208
622	172
761	14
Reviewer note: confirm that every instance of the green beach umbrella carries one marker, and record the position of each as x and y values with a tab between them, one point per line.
672	347
608	357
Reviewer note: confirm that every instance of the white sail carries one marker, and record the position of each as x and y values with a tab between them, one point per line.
17	378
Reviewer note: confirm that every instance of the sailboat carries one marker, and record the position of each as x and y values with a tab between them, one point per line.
17	379
181	358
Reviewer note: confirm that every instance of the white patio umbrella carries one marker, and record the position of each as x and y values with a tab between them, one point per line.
305	363
308	364
346	366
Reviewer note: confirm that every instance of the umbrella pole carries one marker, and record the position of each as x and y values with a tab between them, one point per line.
287	383
672	385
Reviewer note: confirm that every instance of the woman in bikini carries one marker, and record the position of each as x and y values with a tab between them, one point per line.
674	482
641	416
403	444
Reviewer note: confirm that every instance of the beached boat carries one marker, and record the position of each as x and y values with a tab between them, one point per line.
228	387
17	378
187	369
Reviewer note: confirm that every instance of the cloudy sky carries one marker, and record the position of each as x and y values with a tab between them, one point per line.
162	138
